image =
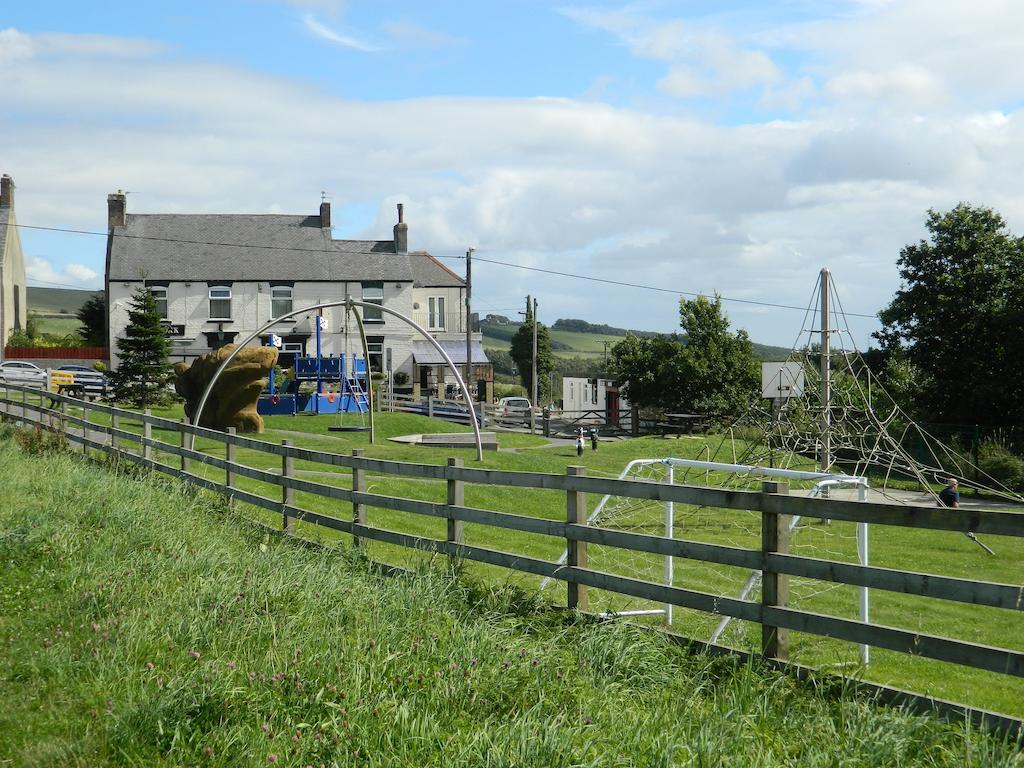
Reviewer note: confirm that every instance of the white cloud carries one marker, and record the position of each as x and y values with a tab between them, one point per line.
70	275
14	45
408	34
702	60
324	32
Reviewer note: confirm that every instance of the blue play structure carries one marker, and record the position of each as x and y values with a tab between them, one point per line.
341	386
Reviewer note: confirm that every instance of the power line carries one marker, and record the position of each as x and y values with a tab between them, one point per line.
590	278
654	287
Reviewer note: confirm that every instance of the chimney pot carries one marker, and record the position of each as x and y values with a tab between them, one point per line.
6	191
117	210
325	215
401	213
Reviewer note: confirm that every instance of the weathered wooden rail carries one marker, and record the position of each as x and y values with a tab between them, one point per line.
60	413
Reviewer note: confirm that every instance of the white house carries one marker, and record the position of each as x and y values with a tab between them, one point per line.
13	299
218	278
589	399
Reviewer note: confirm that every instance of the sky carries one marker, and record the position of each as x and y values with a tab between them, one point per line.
689	147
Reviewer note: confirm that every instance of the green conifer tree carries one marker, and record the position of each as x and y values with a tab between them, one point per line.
143	375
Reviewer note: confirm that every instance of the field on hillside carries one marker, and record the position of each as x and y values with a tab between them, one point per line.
933	552
147	624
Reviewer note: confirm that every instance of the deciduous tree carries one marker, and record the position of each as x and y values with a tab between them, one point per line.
958	317
522	354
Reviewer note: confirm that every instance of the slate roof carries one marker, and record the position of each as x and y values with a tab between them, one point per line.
428	272
186	247
425	354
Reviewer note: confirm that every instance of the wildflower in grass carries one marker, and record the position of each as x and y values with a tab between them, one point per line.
271	758
150	666
208	751
373	644
506	664
231	665
472	662
535	662
194	653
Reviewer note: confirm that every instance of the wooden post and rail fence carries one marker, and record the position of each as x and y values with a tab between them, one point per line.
777	618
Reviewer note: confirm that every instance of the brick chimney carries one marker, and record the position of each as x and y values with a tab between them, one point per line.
117	210
401	232
6	191
325	215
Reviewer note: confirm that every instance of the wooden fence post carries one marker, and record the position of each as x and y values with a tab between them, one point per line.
358	485
115	423
287	494
85	429
229	457
576	514
774	586
430	406
456	498
147	435
185	461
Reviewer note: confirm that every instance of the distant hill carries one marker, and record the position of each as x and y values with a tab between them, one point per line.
578	338
56	301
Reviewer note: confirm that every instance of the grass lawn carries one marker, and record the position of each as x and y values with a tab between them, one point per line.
146	624
932	552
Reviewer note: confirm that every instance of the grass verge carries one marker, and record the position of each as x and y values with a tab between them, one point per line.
145	624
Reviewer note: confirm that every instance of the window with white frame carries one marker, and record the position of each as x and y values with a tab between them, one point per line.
435	313
375	346
280	300
220	302
373	293
293	346
159	293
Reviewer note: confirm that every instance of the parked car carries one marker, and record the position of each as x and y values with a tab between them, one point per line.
19	372
515	409
87	381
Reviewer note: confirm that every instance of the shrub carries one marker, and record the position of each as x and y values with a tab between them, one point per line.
401	378
38	441
1000	464
509	390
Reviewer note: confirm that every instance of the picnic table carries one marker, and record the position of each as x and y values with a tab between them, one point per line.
683	423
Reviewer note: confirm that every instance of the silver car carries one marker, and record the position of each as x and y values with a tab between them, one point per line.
20	372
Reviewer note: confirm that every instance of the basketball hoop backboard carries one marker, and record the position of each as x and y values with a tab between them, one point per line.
782	380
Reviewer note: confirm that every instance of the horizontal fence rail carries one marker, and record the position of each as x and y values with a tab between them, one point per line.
75	419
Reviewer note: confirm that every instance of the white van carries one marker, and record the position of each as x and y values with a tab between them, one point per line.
515	409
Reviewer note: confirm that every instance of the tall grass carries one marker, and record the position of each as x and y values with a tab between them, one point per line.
145	624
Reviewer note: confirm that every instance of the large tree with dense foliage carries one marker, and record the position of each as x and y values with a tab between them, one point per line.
715	372
522	354
957	320
143	374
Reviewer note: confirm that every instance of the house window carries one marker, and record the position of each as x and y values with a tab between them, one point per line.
220	302
280	300
160	297
373	293
435	313
375	346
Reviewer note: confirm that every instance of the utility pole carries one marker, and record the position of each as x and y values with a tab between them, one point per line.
533	415
469	327
826	390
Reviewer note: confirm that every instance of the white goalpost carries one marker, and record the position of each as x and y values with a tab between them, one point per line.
823	481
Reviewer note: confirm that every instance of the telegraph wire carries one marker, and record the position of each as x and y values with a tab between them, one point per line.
557	273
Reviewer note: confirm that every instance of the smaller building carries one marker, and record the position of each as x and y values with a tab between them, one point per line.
593	400
13	298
